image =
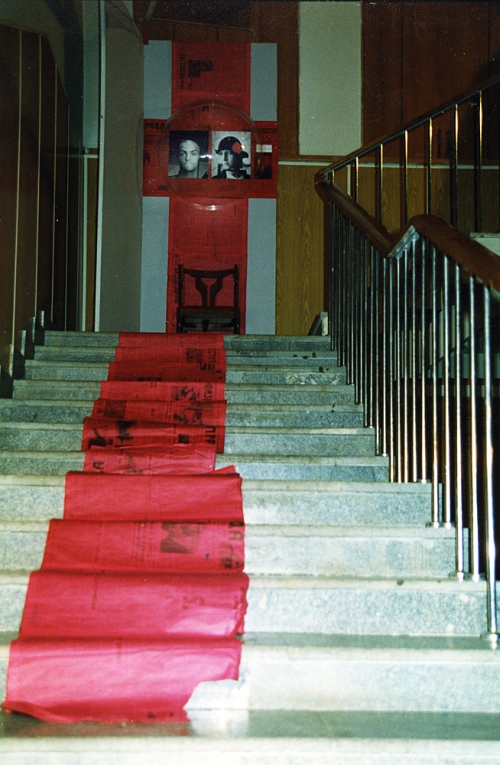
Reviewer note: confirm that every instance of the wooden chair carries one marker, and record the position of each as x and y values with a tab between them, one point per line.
207	315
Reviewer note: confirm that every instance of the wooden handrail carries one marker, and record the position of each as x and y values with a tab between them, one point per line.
374	231
478	260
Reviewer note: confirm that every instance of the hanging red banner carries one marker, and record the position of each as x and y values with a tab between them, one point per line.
204	71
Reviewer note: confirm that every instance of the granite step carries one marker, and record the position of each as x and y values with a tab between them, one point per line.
339	551
349	442
262	737
271	395
234	357
305	468
256	467
279	375
274	415
320	503
310	672
294	343
315	442
330	605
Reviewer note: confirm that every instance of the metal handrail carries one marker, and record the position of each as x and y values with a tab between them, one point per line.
411	317
460	138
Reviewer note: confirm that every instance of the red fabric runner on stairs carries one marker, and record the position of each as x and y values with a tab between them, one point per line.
141	594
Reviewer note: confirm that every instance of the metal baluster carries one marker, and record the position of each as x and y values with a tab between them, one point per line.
405	345
376	348
380	201
390	368
385	350
405	176
423	363
428	200
488	448
413	363
434	371
453	150
478	166
364	330
473	466
446	383
332	236
459	511
398	373
357	306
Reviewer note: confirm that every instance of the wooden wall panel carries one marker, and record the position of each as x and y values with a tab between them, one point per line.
445	53
382	74
300	256
418	55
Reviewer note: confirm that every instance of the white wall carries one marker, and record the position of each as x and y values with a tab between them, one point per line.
330	77
119	287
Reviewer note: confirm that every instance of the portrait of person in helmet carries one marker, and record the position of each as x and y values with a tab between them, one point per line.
230	158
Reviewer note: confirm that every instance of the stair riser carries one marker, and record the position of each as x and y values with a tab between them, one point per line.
339	610
276	553
70	391
17	411
297	445
95	372
38	439
332	396
262	506
293	343
356	680
67	438
295	419
34	464
255	358
281	471
349	680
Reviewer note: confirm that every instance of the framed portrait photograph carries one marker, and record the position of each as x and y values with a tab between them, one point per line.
188	154
231	155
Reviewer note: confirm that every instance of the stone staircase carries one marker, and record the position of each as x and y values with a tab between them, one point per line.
360	648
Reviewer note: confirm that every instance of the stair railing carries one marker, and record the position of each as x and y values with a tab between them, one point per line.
413	319
445	163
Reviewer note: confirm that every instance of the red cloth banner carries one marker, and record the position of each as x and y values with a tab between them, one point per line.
121	434
154	371
176	413
210	72
155	339
183	459
68	681
145	545
127	604
141	591
214	496
152	390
